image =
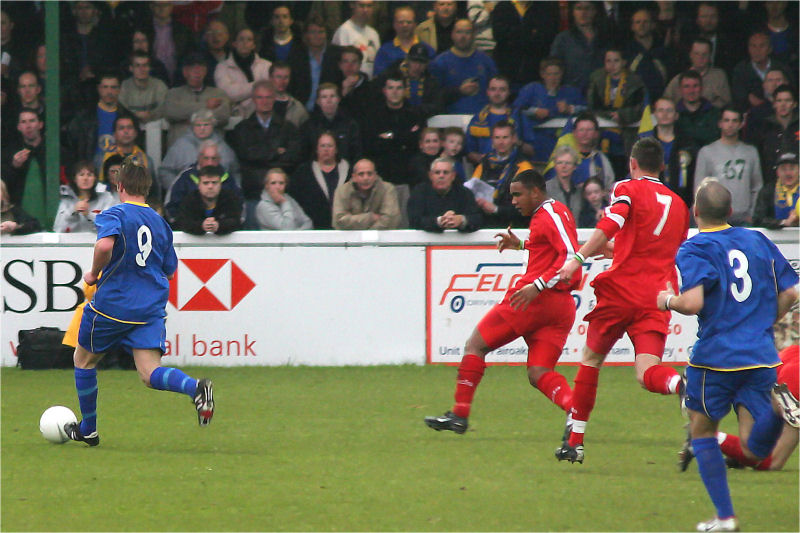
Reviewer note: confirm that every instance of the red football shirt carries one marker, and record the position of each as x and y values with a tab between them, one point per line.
552	240
648	223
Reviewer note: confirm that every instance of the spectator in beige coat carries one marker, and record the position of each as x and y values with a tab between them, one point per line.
366	201
239	71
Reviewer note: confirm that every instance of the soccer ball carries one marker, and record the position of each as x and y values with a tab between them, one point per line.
52	423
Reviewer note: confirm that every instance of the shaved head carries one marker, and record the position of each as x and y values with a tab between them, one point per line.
712	201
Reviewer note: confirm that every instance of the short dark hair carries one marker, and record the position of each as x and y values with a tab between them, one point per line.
141	54
586	115
500	77
649	154
28	110
784	88
314	19
211	170
107	75
530	179
713	201
505	123
551	61
702	40
76	167
279	64
126	116
113	159
732	109
352	50
453	130
393	74
134	177
691	74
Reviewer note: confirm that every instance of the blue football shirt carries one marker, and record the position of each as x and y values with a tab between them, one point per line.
134	285
741	272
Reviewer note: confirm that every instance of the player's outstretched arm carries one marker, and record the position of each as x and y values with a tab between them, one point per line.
102	255
689	302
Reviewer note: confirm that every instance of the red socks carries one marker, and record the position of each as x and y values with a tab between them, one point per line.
555	387
470	372
657	378
583	397
732	448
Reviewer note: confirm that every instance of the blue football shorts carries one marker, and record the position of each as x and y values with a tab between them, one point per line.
714	393
99	333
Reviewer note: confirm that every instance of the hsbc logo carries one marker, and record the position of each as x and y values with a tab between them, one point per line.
208	285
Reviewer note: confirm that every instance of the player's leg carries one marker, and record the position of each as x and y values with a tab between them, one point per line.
759	426
490	333
85	363
709	396
649	335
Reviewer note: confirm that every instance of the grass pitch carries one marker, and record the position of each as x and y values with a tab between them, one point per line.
345	449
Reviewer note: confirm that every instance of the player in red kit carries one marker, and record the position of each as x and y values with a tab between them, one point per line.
538	308
648	222
731	446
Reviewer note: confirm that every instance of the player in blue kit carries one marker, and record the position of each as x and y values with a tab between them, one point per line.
135	254
738	284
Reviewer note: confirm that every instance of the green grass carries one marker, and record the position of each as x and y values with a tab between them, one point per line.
345	449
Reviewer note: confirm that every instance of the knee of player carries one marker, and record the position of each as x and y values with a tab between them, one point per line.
535	373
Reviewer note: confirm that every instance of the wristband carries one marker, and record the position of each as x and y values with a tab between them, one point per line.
666	302
579	257
521	245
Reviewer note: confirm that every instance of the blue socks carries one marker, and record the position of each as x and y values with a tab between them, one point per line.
174	380
86	385
713	472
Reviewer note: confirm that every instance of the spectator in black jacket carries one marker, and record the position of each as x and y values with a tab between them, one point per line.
443	203
210	208
430	145
15	221
329	116
315	48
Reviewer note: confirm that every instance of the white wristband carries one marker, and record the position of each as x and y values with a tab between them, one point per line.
666	302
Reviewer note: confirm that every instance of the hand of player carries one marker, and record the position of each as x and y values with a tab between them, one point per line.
508	241
662	296
521	299
568	269
607	252
90	278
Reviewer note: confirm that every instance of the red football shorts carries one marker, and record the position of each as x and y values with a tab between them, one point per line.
609	320
789	371
544	325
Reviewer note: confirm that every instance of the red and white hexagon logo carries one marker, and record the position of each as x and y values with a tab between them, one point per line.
208	285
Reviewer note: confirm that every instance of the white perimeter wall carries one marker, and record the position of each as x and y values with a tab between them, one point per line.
311	298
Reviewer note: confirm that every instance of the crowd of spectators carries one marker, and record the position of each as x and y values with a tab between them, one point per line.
314	115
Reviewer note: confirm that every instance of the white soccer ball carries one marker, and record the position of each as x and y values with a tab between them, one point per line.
52	423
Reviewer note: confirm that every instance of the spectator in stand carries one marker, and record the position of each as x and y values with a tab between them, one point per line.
776	206
617	94
111	168
778	132
735	164
430	145
313	64
523	32
286	106
464	72
423	91
479	12
208	154
391	129
595	200
726	46
680	154
697	118
88	47
24	166
91	131
14	49
262	141
497	168
210	208
366	201
562	188
356	32
592	162
142	94
442	202
142	41
539	102
357	94
479	138
13	219
714	80
773	79
437	31
328	116
182	102
278	39
453	147
314	182
646	54
581	46
782	34
748	75
237	74
126	133
277	210
29	93
392	53
184	151
170	40
82	199
215	47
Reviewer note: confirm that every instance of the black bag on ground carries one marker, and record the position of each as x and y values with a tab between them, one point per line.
41	348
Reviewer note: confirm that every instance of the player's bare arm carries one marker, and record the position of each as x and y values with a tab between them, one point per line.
786	300
598	242
508	241
689	302
102	255
521	299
